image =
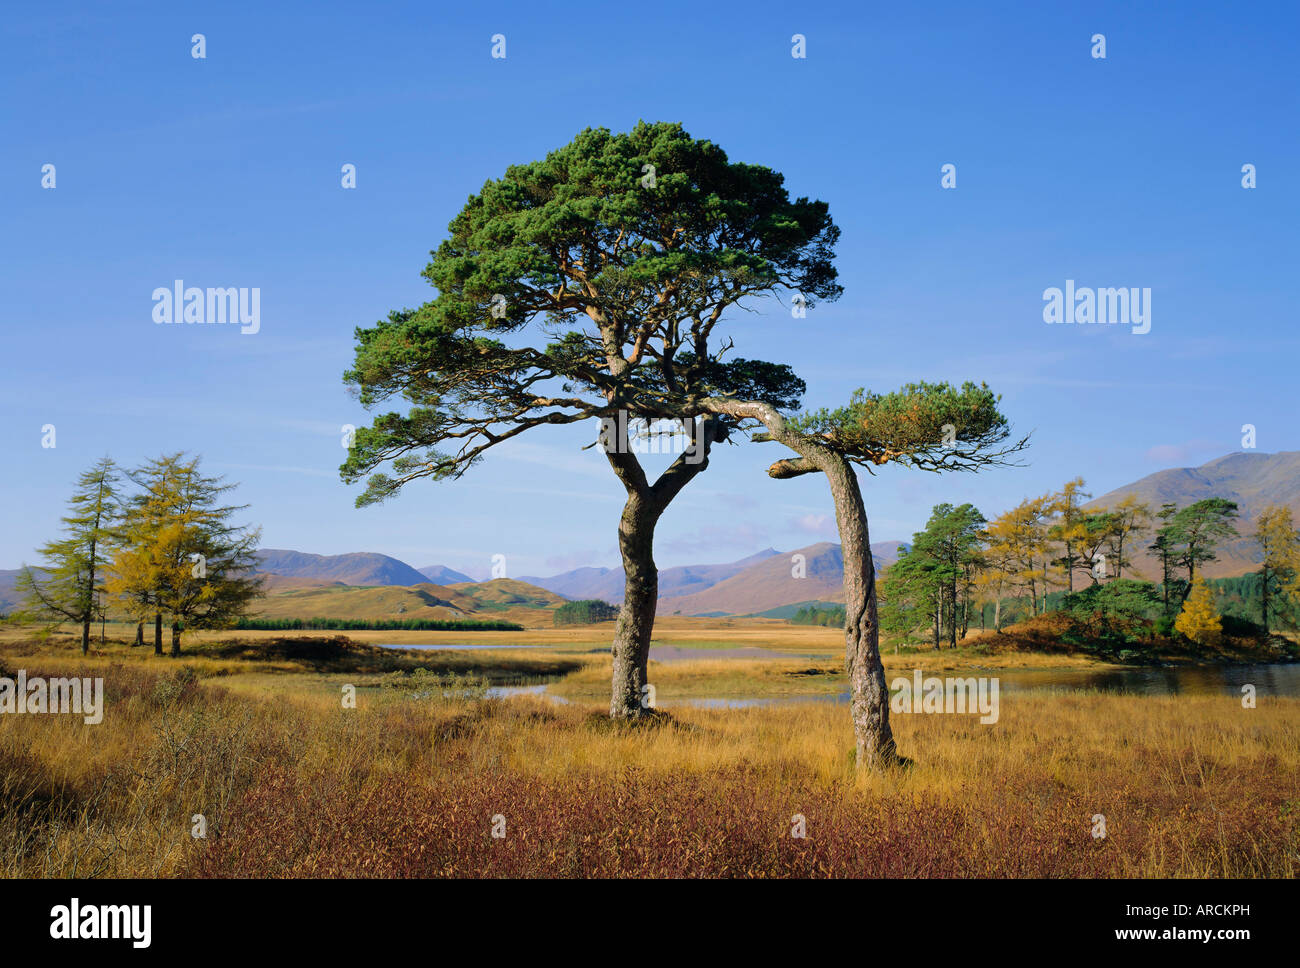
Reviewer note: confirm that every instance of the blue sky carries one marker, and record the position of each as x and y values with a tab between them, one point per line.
225	171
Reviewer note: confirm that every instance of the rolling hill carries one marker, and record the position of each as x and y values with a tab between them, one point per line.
501	598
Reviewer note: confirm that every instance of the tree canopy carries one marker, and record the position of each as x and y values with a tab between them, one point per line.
626	250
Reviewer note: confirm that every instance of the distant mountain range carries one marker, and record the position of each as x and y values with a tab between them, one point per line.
758	582
607	583
1253	481
8	588
815	572
358	568
765	580
442	575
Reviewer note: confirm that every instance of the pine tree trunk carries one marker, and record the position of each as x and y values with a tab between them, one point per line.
89	614
157	633
636	618
176	639
645	504
139	634
868	692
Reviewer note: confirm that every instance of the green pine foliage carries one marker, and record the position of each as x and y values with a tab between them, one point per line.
587	611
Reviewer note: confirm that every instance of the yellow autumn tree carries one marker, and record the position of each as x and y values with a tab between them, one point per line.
1198	620
1069	529
1018	557
180	555
1128	519
1280	547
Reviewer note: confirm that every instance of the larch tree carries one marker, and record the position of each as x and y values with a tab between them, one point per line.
1021	538
1198	619
591	285
142	565
135	576
1070	529
996	574
1129	518
926	426
71	577
1096	530
1279	545
184	555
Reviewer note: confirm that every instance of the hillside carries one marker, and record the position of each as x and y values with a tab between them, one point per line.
501	598
1252	480
358	568
8	589
770	583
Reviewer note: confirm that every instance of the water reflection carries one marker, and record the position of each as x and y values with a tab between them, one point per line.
1268	680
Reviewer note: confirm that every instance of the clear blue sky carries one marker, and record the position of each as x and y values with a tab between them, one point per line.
225	172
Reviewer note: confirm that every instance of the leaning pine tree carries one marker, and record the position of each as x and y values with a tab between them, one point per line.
70	582
590	284
926	426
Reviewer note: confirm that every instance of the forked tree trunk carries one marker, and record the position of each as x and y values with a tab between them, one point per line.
646	503
636	618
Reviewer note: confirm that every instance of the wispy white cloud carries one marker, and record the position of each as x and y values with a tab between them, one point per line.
1187	452
820	524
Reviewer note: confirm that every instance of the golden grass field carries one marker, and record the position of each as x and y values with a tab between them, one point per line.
248	730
